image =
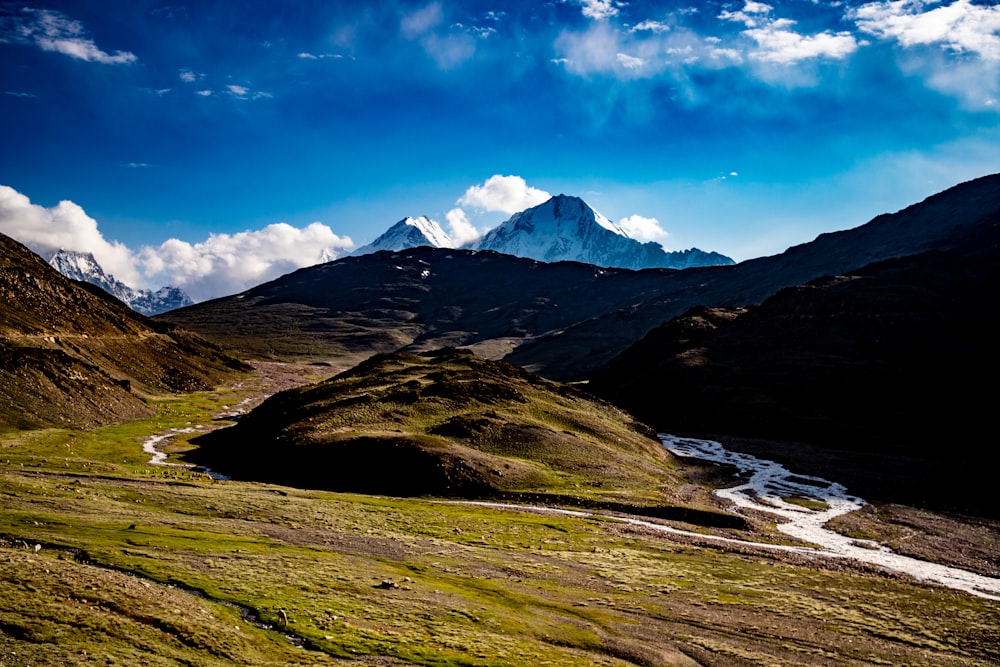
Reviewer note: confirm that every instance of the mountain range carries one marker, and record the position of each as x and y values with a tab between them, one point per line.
563	320
82	266
563	228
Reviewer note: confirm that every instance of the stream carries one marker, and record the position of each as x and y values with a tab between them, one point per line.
768	484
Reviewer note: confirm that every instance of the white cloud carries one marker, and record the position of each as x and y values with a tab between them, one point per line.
599	9
650	26
630	62
643	229
962	27
63	226
54	31
187	76
204	93
237	91
229	263
509	194
460	229
222	264
319	56
778	43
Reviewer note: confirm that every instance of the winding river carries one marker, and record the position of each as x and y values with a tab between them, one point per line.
768	484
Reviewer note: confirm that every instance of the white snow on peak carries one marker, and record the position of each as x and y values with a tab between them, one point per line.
409	233
564	228
82	266
432	230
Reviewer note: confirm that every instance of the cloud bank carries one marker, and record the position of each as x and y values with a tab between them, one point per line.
222	264
65	225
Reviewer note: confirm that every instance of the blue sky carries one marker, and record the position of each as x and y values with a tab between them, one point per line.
182	134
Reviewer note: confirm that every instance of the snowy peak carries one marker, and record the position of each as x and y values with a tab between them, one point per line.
409	233
83	267
567	228
564	228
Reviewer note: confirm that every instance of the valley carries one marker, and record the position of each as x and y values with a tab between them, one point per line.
372	461
141	563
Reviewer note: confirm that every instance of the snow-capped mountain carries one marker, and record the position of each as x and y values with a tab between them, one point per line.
563	228
409	233
567	228
82	266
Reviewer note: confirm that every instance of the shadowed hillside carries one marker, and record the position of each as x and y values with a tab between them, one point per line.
898	359
562	320
71	355
444	423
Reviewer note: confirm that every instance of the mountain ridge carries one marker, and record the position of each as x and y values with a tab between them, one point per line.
72	355
563	228
83	266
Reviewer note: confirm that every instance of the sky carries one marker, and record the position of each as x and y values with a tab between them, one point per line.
216	144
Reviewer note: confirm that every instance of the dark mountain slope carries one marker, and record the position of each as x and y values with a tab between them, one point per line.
941	221
416	299
72	355
899	359
562	320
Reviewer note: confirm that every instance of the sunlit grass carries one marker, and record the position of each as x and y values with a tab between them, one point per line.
469	585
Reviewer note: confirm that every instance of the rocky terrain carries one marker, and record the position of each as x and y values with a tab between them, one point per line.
71	355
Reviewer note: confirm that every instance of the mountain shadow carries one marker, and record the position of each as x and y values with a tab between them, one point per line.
892	366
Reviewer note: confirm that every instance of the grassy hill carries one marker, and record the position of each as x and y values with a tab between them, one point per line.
445	423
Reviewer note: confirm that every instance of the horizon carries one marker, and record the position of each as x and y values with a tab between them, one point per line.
217	145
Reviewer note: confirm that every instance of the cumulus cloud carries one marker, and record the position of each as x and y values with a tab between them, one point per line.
461	231
781	45
650	26
63	226
222	264
508	194
961	26
643	229
53	31
599	9
229	263
777	42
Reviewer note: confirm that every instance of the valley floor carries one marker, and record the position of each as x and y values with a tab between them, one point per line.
107	559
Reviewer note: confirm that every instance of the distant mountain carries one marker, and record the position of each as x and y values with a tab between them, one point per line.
71	355
561	229
409	233
567	228
417	299
562	320
82	266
